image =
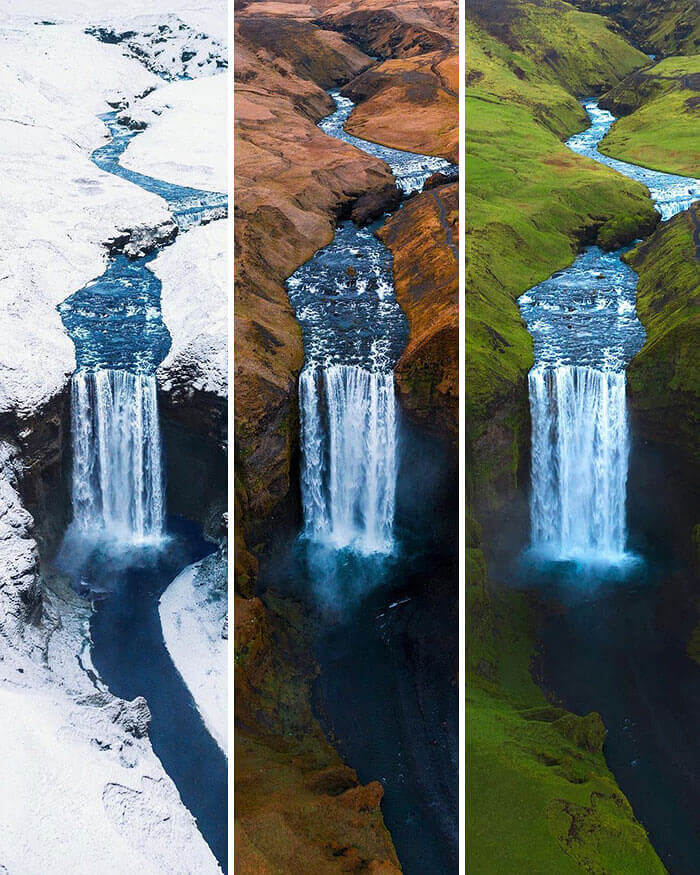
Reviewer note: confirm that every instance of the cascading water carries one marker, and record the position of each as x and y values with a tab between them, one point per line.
585	332
117	468
115	322
579	461
354	332
348	426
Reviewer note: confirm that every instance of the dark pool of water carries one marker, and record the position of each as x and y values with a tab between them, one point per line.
387	696
387	642
130	655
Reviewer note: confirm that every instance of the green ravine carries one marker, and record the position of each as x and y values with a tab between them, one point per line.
660	27
661	117
540	797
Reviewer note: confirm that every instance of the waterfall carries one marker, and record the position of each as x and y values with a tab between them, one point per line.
579	462
117	465
349	453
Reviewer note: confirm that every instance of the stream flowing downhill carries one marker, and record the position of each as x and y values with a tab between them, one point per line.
386	648
121	549
354	333
586	331
607	645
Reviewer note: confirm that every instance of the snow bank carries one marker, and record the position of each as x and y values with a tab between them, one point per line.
58	208
81	786
193	617
186	138
193	273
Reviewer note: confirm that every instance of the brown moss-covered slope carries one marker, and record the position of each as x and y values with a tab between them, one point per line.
299	809
423	237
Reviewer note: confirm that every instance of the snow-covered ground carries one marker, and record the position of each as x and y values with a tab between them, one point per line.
197	321
57	207
186	138
193	612
81	790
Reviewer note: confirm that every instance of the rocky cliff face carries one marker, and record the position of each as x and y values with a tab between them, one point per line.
296	800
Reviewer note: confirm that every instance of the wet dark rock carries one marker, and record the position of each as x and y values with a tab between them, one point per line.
375	203
441	178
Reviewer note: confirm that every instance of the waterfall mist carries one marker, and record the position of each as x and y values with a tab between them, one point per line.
580	451
349	456
117	457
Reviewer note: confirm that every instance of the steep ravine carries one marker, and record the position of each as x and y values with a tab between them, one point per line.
273	667
610	640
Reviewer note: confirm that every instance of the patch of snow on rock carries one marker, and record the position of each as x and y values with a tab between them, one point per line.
193	273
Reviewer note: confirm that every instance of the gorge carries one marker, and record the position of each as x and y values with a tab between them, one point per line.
121	548
363	544
345	594
600	580
102	357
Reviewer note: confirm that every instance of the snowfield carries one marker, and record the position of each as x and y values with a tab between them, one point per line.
81	789
57	207
197	322
176	148
193	617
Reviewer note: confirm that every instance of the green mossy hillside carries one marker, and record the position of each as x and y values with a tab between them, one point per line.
661	27
531	202
660	106
540	797
664	377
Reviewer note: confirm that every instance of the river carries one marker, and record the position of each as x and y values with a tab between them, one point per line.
603	583
121	548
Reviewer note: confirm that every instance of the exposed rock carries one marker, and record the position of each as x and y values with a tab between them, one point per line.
440	178
374	204
143	239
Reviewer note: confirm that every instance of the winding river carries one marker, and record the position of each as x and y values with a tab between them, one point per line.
376	559
121	549
606	642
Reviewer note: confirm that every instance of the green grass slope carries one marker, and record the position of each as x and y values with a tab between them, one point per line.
664	377
660	27
661	117
539	795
